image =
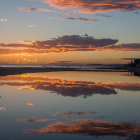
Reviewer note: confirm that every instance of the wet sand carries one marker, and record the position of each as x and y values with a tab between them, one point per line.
13	71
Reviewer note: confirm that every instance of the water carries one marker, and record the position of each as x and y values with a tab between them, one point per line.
56	66
69	105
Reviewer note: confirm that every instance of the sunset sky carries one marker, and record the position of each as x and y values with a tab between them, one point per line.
63	31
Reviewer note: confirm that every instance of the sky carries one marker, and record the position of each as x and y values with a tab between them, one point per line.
69	32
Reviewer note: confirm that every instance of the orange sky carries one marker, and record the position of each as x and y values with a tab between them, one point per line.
78	31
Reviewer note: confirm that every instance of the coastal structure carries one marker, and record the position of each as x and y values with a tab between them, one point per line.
137	63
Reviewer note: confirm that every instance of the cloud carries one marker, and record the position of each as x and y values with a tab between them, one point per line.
80	19
124	47
31	120
90	127
31	25
35	9
67	43
3	20
103	15
137	13
30	104
59	63
77	112
129	58
51	17
63	63
69	13
66	117
24	52
2	108
95	6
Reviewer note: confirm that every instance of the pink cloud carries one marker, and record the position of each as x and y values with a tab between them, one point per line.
80	19
31	25
94	6
3	20
30	104
35	9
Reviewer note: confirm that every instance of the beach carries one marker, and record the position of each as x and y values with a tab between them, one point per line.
74	103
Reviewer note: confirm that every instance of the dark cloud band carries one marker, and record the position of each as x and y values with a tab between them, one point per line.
68	43
79	19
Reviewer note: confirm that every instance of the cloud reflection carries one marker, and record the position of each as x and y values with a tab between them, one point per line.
73	88
77	112
90	127
31	120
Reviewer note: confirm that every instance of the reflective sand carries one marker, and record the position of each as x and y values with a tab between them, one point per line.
69	105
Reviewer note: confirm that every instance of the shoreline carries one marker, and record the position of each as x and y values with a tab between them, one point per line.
4	71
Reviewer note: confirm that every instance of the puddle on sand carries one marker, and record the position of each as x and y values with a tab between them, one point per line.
70	105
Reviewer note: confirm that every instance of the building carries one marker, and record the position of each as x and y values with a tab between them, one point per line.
137	63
